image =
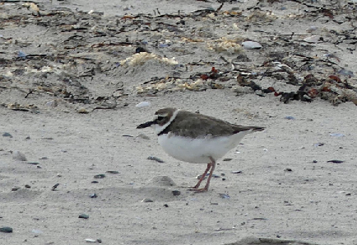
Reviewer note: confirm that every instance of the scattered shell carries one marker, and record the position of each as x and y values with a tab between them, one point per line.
99	176
143	104
337	135
312	39
251	45
147	200
83	216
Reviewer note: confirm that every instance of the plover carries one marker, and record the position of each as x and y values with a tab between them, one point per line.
196	138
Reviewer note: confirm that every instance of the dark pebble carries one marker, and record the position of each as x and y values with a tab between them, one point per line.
93	195
288	170
99	176
27	186
55	186
94	182
155	159
15	188
83	216
33	163
237	172
227	159
336	161
315	161
112	172
6	229
166	205
7	135
176	192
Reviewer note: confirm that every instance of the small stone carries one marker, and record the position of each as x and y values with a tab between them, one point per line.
288	170
6	229
237	172
27	186
176	192
227	159
289	118
19	156
83	216
15	188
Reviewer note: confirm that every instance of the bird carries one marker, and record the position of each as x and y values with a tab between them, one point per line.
196	138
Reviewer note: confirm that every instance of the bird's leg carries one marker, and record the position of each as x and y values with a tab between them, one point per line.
211	164
202	177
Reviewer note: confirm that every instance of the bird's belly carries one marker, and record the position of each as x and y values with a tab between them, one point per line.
198	150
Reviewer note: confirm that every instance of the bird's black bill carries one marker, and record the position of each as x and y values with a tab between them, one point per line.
147	124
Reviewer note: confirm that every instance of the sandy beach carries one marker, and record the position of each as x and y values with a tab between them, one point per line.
75	170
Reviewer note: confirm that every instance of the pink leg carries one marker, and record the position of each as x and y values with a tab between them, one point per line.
211	164
202	177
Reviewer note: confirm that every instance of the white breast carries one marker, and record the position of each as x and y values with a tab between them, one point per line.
200	149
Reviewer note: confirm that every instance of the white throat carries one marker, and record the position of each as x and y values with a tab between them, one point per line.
159	129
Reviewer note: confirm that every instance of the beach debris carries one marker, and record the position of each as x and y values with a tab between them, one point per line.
69	70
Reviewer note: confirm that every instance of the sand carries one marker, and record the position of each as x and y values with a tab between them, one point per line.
280	186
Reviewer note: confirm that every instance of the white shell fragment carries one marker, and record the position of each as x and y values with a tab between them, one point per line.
251	45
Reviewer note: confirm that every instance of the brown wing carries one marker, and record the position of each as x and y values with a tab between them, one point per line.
196	125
